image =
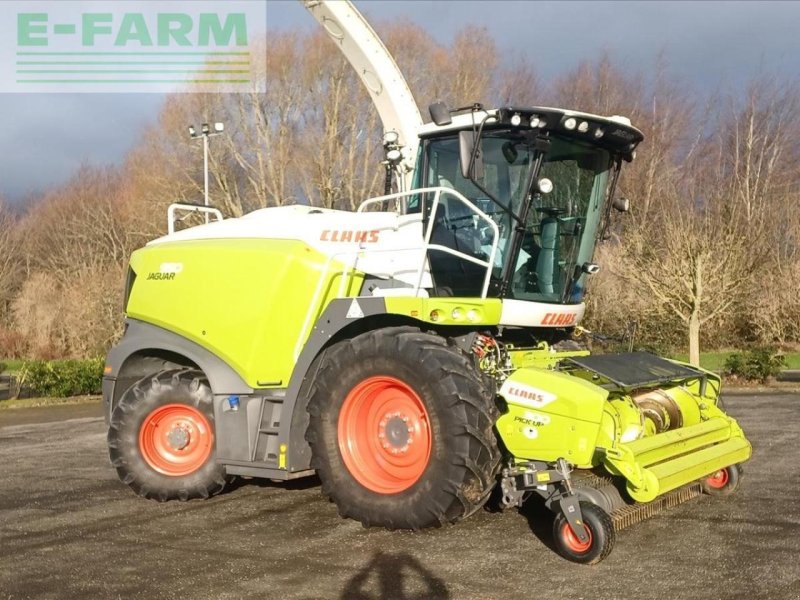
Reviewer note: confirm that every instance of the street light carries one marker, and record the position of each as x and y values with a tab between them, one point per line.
205	133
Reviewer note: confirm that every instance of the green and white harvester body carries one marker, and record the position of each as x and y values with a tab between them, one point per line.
417	354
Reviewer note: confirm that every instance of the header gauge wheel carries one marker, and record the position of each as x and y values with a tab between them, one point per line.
601	536
723	482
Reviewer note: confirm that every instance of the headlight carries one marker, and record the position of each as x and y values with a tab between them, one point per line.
544	185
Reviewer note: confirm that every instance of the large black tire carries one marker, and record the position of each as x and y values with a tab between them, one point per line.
457	476
182	399
601	536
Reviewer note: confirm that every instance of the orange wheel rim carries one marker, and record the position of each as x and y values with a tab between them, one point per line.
176	439
571	540
384	435
719	479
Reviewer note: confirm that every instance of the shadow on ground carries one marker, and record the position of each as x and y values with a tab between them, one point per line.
394	577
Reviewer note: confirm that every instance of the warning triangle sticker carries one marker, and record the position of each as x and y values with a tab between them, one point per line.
355	311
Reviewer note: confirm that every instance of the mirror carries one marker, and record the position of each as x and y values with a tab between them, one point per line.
621	204
510	152
590	268
440	113
466	147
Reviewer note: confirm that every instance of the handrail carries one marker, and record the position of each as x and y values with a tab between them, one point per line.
176	206
438	191
349	265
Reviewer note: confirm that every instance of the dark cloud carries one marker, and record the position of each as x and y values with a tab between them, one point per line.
44	138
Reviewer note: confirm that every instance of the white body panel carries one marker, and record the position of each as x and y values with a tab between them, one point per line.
539	314
384	244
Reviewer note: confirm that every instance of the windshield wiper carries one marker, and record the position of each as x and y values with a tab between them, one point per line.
476	148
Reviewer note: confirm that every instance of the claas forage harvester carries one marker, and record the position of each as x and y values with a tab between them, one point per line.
417	354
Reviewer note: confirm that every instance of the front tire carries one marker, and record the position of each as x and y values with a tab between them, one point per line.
401	430
601	536
161	437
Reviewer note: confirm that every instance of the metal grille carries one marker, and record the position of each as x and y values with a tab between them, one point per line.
634	369
636	513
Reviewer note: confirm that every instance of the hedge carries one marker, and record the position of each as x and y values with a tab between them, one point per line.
62	378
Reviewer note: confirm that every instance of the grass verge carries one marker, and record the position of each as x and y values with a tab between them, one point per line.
12	366
32	402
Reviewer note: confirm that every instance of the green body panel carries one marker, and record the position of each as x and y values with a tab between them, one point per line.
622	420
551	415
542	357
447	311
249	301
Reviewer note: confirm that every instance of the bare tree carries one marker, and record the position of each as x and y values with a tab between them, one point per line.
696	266
10	258
78	226
519	85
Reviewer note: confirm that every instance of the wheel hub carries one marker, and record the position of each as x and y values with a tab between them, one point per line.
719	479
395	433
179	437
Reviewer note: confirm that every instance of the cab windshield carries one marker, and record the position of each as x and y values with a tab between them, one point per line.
559	231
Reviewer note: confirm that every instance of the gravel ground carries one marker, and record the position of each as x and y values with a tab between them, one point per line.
70	529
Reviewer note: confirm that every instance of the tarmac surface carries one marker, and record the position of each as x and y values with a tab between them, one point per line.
70	529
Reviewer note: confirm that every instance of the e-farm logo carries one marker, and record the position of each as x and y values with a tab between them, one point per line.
132	46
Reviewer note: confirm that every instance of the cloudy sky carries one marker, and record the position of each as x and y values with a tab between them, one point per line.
711	45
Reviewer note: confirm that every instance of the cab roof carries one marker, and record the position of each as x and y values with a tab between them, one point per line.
614	133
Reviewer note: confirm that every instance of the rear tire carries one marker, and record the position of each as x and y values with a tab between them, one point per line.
401	430
724	482
161	437
601	536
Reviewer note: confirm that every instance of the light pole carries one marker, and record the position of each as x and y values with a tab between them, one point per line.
205	133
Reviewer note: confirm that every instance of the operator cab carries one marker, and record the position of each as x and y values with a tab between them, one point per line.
543	176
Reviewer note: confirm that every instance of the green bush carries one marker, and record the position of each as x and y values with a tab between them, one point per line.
62	378
758	364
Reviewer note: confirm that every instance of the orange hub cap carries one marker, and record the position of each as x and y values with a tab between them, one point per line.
571	540
384	435
718	480
176	439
